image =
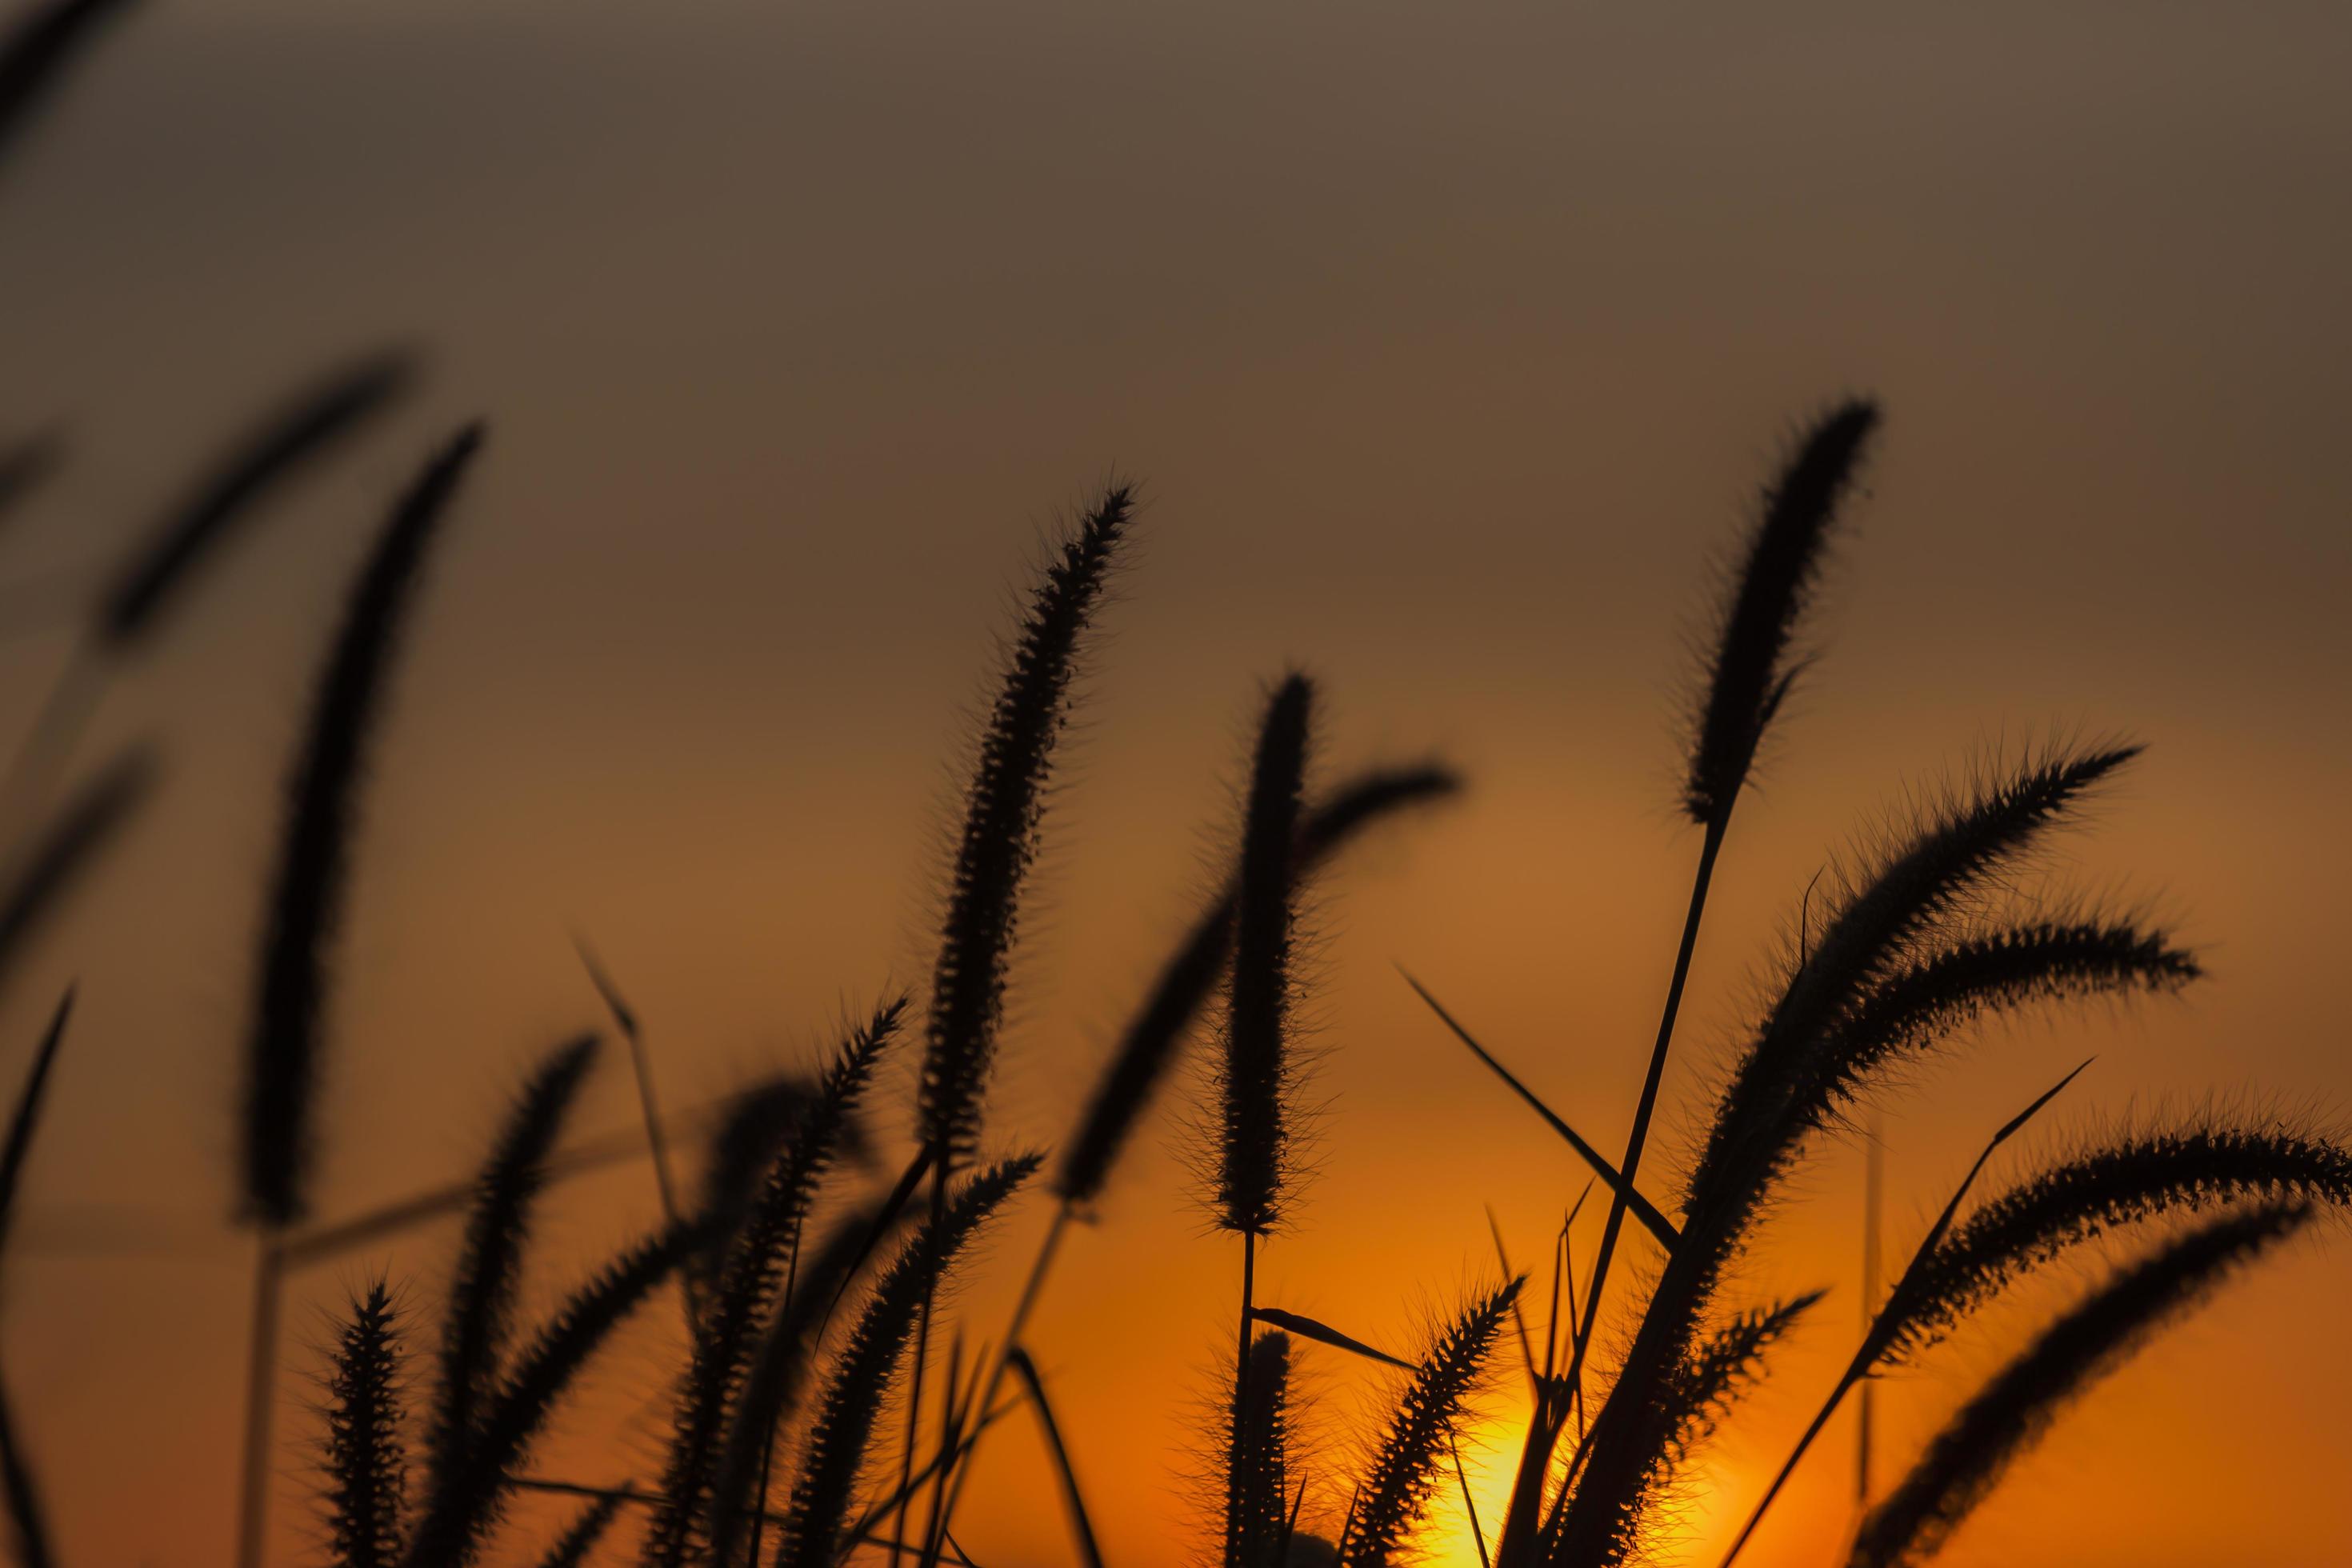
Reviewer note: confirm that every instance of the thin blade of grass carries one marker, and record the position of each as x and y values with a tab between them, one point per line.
1883	1325
1081	1525
28	1518
1324	1333
1656	1223
21	1126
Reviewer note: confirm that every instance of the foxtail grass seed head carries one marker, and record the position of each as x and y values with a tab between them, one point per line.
1004	808
313	871
1750	668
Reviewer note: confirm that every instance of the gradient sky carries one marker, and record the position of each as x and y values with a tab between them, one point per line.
1449	342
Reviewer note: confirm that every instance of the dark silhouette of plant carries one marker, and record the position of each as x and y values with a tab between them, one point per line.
476	1325
193	534
457	1515
1156	1034
1407	1468
314	856
1153	1039
37	51
308	891
25	465
2182	1168
1081	1525
2017	1405
1003	812
28	1518
572	1547
48	870
753	1280
367	1464
1258	1462
867	1368
1004	807
1257	1076
1749	678
779	1367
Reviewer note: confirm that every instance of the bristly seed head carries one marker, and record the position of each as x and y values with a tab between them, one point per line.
1004	806
1257	1077
1749	671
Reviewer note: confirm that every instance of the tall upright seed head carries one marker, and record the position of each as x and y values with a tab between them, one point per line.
1260	1438
367	1465
1750	671
314	854
1003	808
1156	1035
1257	1073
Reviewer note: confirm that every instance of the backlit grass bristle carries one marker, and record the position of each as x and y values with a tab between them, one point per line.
1004	806
1702	1394
480	1312
779	1370
1156	1036
1937	875
306	907
1947	987
1749	669
1258	1442
866	1370
2013	1410
1408	1466
749	1281
460	1508
367	1460
2131	1178
1258	1076
757	1124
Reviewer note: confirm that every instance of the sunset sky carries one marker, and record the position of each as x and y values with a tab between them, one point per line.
1449	343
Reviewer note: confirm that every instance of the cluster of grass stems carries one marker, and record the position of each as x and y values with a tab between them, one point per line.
812	1415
